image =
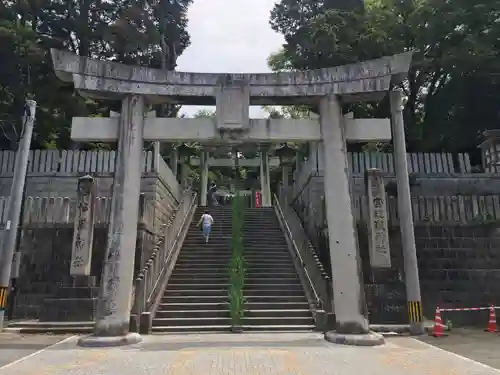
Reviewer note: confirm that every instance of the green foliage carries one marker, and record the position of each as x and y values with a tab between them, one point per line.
237	264
449	325
202	113
453	87
129	31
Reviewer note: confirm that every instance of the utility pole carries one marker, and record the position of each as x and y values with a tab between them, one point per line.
8	236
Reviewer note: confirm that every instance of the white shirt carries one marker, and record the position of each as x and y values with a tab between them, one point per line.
207	219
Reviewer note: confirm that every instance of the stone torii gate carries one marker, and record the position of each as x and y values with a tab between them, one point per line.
139	87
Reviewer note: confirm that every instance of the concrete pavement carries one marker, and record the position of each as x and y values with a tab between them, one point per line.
472	343
14	346
248	354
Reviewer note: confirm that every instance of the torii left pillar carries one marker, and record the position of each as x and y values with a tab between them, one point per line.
113	309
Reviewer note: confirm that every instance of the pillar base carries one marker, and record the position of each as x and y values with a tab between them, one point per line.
363	339
417	329
107	341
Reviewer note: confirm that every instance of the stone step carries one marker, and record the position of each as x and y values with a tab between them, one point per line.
200	300
200	263
268	226
200	314
193	253
210	277
276	313
183	306
200	268
224	238
196	279
225	286
207	249
277	298
250	306
202	271
196	292
249	258
208	268
247	321
263	268
271	290
278	321
191	329
222	328
248	262
279	328
211	286
263	272
196	321
277	305
257	261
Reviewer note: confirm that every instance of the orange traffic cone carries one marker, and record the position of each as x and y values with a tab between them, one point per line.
438	330
492	321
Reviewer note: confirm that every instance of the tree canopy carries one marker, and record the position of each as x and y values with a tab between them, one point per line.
453	87
151	33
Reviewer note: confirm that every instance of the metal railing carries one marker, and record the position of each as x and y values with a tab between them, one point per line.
319	283
152	278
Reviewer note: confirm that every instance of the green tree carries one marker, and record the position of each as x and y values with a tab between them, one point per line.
452	86
129	31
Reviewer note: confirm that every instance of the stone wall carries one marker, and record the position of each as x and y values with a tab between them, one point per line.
459	266
46	250
428	185
45	264
64	184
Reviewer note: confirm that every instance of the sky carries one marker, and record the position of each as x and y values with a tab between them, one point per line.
229	36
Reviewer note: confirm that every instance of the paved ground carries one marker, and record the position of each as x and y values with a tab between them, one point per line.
472	343
248	354
14	346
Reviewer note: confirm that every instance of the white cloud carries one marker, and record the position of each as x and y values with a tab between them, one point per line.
229	36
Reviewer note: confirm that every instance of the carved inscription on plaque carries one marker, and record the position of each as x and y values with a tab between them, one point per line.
81	253
378	228
233	101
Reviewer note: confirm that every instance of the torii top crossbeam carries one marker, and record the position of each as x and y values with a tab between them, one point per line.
354	82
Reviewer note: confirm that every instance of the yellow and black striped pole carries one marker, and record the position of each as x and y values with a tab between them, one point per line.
415	312
4	294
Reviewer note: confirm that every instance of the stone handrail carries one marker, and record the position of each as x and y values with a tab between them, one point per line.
318	282
152	279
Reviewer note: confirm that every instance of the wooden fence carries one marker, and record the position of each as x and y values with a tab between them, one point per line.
359	162
80	162
69	161
420	162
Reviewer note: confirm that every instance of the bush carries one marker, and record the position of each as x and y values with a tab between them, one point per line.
237	264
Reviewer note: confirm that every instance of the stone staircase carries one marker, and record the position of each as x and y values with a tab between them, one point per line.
274	293
196	298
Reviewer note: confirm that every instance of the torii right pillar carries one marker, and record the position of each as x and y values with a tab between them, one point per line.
351	313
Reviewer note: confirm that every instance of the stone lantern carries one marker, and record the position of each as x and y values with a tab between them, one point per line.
286	155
